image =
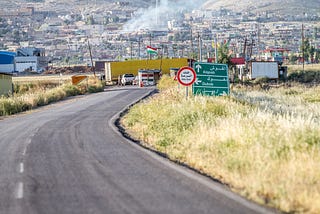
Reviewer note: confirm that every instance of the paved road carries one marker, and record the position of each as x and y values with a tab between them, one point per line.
68	158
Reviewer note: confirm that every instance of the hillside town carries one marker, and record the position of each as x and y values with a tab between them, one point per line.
116	32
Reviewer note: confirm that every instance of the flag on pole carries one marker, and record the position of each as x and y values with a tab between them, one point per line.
152	50
213	44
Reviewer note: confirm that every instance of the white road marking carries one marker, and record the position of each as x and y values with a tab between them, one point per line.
26	146
20	191
21	168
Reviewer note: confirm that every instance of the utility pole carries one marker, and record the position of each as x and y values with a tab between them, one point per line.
150	39
131	50
191	42
245	48
302	46
92	68
216	49
199	48
139	46
251	48
157	13
258	45
150	45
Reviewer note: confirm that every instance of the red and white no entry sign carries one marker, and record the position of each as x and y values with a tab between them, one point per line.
186	76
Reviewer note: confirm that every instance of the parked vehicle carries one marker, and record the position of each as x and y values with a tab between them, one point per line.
135	80
127	79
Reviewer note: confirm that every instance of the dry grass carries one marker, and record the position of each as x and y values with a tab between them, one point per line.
265	145
307	67
44	78
39	92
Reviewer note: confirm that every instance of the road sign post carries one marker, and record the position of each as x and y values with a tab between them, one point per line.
212	79
186	76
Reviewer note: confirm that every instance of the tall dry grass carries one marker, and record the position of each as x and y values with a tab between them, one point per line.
264	144
37	93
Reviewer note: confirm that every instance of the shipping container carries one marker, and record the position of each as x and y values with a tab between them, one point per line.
114	69
263	69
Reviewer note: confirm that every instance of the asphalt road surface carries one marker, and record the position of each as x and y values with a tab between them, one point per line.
69	158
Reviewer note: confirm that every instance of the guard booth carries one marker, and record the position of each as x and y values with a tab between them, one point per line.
6	86
148	77
283	72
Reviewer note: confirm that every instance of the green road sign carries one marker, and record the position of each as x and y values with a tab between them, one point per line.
212	79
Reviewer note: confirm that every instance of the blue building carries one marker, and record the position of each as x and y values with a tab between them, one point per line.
25	59
7	61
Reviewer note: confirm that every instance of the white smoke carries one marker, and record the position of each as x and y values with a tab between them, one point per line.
157	17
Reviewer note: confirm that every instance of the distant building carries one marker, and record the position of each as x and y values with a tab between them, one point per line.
27	11
31	59
276	54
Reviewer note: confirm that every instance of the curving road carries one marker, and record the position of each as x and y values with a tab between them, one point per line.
69	158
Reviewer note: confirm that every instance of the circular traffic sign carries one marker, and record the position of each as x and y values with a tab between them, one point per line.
186	76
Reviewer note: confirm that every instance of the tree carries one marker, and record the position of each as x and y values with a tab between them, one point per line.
223	54
90	21
317	56
16	35
293	59
308	50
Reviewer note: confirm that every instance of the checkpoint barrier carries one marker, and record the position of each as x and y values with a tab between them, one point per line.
148	77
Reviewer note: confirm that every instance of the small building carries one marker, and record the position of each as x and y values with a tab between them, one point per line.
148	77
276	54
6	86
31	59
238	70
7	62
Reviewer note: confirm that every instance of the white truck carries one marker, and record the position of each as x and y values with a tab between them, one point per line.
263	69
127	79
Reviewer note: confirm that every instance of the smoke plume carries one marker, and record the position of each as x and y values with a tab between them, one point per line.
156	16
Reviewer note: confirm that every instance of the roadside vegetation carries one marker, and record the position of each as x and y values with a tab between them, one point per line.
263	142
311	73
32	92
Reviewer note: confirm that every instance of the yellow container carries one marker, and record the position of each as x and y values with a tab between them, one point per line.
115	69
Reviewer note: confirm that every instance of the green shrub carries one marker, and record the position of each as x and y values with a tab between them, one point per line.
95	88
261	80
304	76
55	95
71	90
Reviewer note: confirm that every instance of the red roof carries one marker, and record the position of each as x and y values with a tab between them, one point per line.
238	61
277	50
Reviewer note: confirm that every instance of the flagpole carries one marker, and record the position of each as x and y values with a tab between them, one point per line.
150	45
